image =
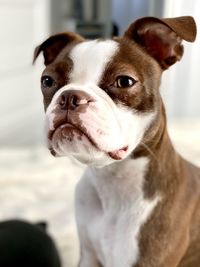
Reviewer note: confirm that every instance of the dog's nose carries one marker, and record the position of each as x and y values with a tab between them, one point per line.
72	99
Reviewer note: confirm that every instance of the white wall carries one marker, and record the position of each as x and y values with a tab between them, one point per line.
181	84
23	24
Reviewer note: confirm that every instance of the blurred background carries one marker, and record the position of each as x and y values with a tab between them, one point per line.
34	185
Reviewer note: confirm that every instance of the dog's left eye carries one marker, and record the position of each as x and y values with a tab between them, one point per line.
47	81
124	81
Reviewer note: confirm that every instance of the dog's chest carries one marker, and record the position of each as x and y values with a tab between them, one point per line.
115	239
114	231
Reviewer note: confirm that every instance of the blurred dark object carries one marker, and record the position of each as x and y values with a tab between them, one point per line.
85	10
90	30
23	244
77	7
115	29
92	18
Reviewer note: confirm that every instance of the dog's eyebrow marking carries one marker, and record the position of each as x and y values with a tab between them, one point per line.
90	59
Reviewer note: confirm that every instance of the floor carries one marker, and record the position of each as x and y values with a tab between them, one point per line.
36	186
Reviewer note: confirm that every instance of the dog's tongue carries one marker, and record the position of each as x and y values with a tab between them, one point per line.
119	153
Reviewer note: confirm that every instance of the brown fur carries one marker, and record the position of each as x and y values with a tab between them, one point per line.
168	236
171	236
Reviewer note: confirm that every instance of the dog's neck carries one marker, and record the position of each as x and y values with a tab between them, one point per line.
119	184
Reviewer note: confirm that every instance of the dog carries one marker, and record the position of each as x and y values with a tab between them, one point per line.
138	202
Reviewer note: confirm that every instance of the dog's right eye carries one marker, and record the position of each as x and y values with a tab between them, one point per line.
47	82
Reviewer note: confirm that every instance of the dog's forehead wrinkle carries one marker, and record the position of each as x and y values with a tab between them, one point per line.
90	59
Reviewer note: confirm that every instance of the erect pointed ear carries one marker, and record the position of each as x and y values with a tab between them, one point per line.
162	38
54	44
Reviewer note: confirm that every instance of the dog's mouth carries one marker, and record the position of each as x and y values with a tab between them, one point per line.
119	153
68	131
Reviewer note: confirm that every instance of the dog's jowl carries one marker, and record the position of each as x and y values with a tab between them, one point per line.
138	203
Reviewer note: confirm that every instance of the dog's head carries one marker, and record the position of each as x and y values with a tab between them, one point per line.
102	96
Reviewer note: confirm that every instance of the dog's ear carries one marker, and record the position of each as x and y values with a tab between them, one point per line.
54	44
162	38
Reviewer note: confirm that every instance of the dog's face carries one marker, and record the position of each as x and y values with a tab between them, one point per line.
98	106
102	96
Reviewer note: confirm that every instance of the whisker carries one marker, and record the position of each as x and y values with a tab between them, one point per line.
150	151
152	154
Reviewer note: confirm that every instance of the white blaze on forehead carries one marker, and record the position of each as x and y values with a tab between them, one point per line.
90	59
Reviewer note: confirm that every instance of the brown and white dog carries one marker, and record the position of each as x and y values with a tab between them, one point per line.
138	203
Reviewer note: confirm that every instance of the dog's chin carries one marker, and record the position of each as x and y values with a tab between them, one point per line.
67	140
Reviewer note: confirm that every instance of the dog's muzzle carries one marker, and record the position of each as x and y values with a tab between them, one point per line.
66	122
79	124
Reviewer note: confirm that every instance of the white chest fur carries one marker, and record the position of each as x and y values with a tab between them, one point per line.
111	210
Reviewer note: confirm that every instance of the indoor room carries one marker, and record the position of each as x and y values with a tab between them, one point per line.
34	185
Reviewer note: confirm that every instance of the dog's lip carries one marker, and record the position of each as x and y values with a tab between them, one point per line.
117	154
71	125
